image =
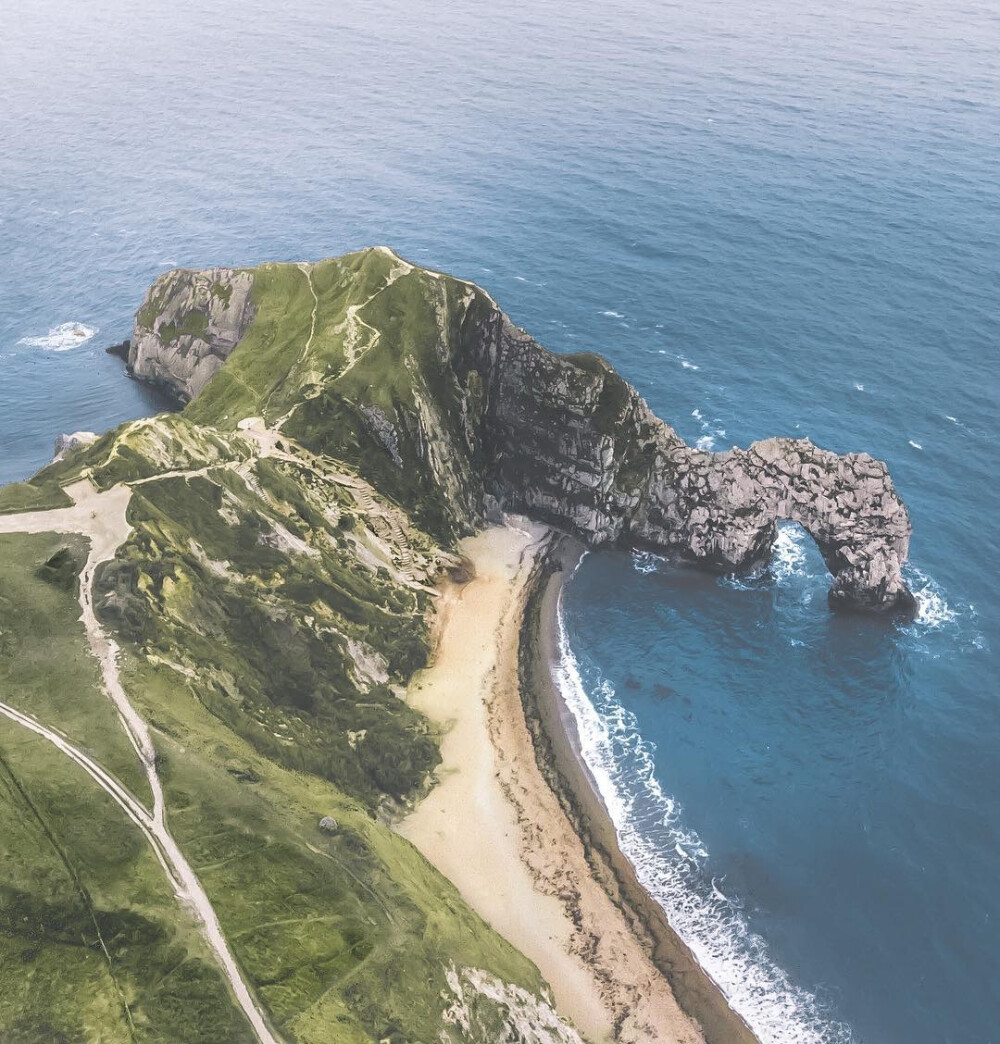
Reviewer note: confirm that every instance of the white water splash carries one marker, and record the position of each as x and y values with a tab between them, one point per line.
933	612
686	362
61	338
711	430
788	554
671	864
646	562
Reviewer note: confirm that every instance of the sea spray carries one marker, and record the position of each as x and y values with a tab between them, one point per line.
672	864
61	338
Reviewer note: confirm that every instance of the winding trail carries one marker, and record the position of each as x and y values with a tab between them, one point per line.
353	350
102	518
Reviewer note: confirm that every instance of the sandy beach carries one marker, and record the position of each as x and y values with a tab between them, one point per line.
496	827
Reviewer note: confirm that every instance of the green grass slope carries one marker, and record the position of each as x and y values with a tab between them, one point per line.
341	350
269	611
93	944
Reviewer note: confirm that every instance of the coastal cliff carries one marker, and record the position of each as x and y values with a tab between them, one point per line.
423	383
186	327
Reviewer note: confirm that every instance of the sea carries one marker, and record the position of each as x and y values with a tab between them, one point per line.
775	218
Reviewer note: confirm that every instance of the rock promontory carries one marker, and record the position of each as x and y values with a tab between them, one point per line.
186	327
425	385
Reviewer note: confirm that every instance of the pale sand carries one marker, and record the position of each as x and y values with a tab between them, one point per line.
496	830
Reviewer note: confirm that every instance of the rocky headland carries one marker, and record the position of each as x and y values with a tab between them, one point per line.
485	419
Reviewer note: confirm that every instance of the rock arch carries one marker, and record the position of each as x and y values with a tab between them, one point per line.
722	510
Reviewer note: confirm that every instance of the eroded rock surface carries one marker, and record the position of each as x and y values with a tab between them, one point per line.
188	324
569	441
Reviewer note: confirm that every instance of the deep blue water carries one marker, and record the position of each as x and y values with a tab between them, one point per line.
774	218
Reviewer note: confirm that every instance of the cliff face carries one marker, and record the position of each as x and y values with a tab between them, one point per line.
427	387
571	442
186	327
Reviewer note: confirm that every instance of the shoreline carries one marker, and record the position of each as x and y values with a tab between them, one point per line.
516	839
557	751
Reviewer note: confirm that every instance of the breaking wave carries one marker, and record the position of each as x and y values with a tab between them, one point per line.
61	338
673	865
711	430
936	616
646	562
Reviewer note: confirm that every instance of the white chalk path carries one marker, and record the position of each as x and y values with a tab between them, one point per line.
101	517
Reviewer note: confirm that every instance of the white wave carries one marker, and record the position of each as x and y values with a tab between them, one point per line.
167	262
788	553
688	365
520	279
711	430
789	563
663	852
613	315
61	338
933	610
859	387
646	562
915	445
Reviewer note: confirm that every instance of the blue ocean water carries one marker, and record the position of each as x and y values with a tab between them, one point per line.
774	218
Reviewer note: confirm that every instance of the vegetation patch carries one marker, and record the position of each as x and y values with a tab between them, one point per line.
194	324
36	495
207	580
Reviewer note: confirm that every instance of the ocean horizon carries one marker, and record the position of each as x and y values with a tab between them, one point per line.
772	219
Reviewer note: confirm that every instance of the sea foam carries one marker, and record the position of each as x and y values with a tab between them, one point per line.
673	865
61	338
711	430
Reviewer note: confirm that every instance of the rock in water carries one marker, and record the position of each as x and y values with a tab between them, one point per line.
121	350
449	408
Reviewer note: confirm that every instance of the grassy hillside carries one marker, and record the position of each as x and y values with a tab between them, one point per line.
270	609
353	358
93	945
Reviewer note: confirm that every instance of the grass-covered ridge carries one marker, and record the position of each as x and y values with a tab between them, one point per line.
296	640
354	357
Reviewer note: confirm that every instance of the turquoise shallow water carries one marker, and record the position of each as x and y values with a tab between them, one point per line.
773	218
